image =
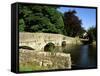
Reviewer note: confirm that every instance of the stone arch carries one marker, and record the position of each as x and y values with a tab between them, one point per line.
63	44
26	47
49	47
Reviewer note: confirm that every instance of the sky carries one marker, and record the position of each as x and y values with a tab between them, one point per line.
87	15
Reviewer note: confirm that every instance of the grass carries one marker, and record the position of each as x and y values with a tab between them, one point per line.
31	68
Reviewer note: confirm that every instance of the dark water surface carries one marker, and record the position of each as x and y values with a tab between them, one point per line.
82	56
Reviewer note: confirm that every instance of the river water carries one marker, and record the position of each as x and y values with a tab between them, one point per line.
82	56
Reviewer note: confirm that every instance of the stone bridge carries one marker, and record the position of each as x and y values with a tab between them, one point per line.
37	41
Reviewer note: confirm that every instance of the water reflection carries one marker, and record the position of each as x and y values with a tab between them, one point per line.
83	56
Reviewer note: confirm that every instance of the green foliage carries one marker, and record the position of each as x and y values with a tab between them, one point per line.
81	32
31	67
39	18
21	25
50	47
92	32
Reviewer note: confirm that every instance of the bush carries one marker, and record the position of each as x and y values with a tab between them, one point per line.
50	47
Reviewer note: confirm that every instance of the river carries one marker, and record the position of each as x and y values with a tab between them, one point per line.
82	56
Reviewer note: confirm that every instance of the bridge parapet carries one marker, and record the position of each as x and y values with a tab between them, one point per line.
39	40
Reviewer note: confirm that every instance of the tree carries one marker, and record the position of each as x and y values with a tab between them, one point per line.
82	31
72	23
40	18
92	32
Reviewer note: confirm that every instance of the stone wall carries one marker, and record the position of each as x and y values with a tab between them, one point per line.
37	41
43	60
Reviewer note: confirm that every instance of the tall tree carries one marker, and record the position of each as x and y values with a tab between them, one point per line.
72	23
39	18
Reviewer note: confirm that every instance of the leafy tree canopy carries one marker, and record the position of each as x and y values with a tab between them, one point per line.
92	31
39	18
72	23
